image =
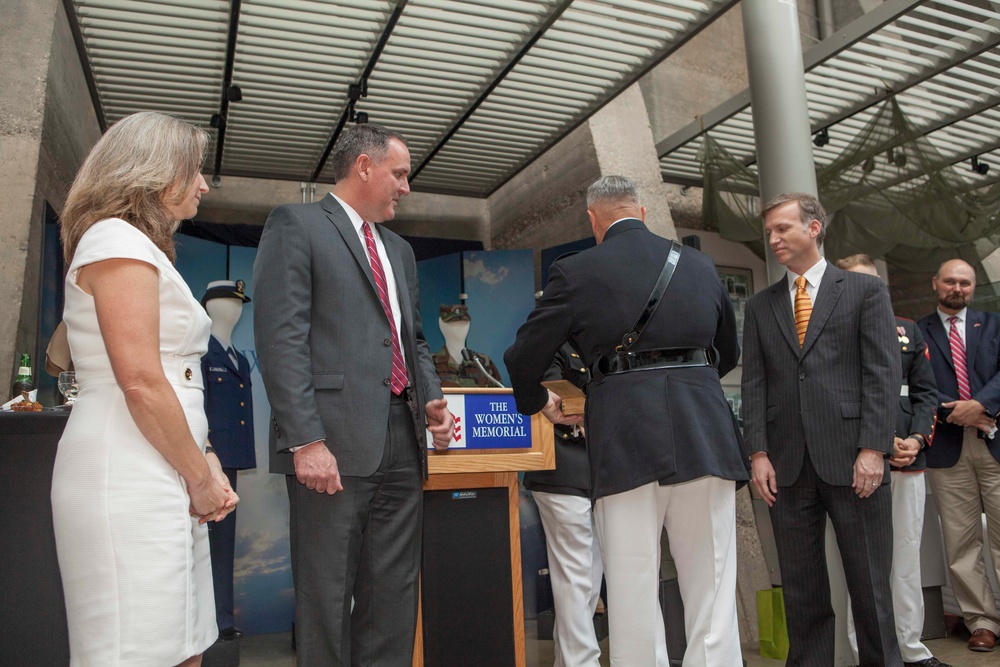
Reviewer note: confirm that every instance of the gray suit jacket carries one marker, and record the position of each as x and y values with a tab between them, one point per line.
323	340
833	396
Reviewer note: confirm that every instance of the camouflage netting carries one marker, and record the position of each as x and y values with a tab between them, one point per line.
890	194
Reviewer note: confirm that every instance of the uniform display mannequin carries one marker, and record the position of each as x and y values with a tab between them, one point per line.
451	367
229	407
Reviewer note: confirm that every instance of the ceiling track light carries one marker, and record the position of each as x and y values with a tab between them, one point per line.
821	138
896	156
979	167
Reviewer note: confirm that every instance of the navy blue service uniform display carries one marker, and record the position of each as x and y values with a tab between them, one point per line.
229	408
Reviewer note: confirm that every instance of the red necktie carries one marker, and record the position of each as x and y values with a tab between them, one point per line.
958	359
399	378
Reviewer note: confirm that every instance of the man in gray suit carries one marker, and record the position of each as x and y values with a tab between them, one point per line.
821	375
351	385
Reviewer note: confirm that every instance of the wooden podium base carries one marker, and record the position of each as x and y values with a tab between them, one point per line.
471	607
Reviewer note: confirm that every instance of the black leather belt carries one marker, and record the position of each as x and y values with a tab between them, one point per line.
647	360
405	396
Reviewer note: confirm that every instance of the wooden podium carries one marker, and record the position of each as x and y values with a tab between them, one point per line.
471	607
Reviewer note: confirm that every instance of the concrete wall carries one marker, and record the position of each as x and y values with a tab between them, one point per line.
24	59
47	125
702	74
545	204
248	201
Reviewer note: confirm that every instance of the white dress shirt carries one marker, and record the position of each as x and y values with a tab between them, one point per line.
813	277
960	322
390	281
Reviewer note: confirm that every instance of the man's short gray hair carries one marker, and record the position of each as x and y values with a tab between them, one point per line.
617	189
368	138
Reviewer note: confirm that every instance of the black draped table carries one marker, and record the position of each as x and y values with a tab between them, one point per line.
33	629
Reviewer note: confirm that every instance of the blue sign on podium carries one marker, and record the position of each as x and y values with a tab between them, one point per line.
487	421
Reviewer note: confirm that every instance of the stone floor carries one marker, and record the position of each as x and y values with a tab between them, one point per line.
276	651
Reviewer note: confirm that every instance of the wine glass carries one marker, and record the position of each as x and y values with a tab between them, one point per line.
68	387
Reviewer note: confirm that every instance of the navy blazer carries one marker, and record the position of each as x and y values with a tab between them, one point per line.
229	407
667	425
982	357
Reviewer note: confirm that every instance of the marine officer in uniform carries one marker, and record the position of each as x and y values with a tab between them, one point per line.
229	407
664	448
563	499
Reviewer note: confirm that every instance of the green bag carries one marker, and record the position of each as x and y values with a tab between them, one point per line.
771	623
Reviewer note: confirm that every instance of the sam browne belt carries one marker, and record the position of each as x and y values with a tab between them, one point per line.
624	360
648	360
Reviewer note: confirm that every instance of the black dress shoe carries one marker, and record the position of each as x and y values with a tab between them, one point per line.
928	662
229	634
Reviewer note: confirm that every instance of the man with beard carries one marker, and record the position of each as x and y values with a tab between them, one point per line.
964	462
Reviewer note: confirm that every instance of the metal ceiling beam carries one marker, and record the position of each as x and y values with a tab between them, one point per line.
362	81
613	93
525	48
88	71
845	38
227	81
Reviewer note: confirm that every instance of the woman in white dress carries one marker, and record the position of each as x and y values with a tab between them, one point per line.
133	485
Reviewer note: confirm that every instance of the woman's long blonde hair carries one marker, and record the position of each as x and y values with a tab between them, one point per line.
144	162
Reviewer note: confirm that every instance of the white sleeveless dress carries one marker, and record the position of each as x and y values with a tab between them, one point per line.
135	565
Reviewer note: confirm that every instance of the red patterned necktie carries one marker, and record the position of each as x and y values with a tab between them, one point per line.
399	378
958	359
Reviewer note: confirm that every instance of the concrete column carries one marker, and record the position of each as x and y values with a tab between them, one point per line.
783	140
545	204
778	95
25	45
47	127
625	146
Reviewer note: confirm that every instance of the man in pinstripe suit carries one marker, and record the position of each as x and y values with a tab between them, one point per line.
819	418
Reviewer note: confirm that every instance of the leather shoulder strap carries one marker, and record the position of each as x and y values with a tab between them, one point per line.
666	273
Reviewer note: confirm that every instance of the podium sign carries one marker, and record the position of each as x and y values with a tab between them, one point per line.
491	435
471	601
487	421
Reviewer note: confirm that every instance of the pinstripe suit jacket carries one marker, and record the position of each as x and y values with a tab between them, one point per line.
834	395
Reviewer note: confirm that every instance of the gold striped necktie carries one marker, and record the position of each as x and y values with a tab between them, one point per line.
803	308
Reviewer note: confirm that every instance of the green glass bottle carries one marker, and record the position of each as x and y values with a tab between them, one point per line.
23	382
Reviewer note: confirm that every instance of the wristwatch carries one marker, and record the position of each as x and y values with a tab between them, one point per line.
921	439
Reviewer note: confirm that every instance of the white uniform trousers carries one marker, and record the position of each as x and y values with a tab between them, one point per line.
909	492
575	570
700	519
962	493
